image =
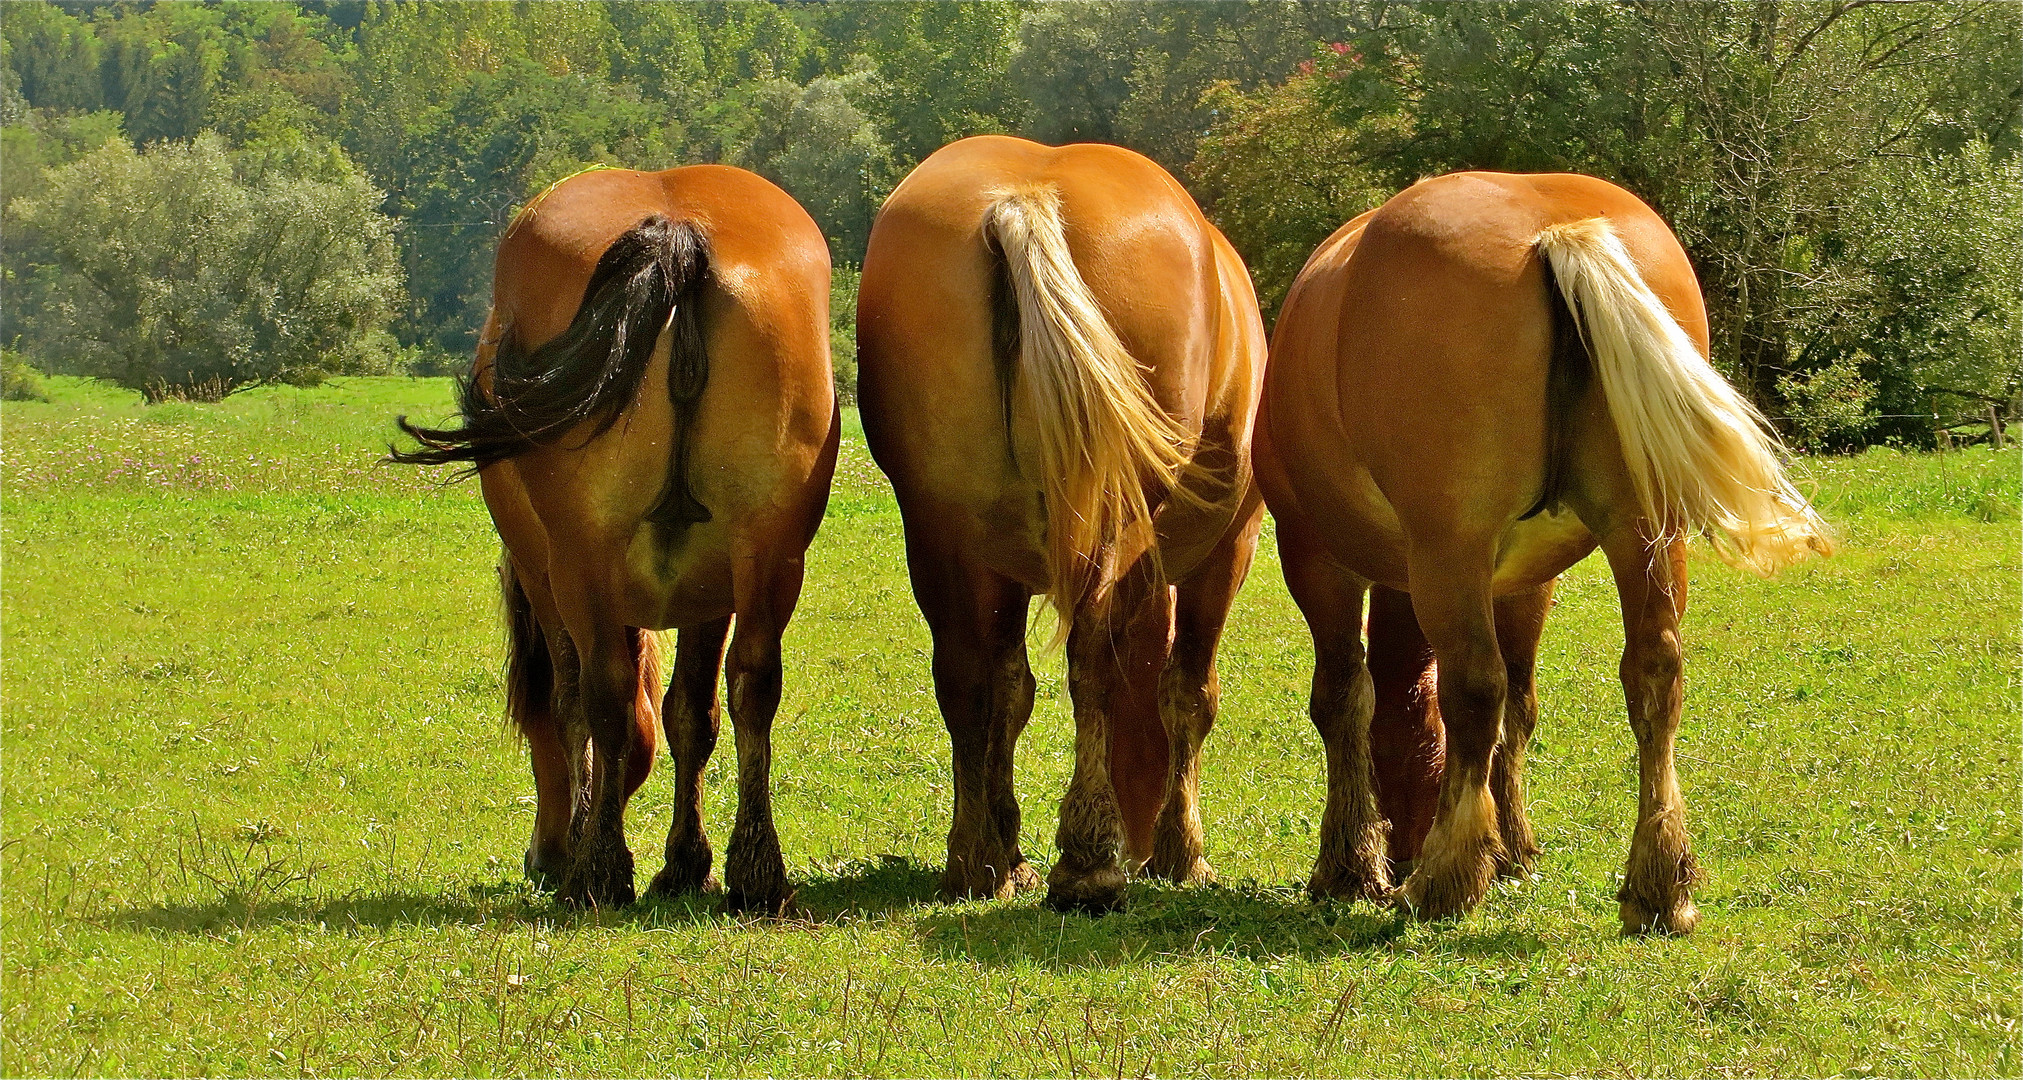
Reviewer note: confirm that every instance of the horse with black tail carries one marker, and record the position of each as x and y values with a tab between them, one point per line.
1471	388
1058	367
653	421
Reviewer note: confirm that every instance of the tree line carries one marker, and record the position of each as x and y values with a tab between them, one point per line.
202	196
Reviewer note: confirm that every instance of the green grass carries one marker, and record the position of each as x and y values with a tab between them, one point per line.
261	816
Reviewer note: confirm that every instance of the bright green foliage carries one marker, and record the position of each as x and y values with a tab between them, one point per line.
1280	183
262	818
18	380
1816	163
816	142
843	329
1841	173
180	273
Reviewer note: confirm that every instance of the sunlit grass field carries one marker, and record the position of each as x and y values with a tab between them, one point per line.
261	816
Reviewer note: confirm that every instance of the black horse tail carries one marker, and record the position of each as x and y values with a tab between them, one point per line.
650	278
530	674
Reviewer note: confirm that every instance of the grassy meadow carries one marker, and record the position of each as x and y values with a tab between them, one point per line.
261	816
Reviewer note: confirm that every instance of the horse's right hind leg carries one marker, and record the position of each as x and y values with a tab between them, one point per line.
1520	620
692	720
1451	597
1657	892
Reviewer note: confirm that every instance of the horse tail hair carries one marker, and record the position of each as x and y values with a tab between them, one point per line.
1701	457
650	279
1102	441
530	672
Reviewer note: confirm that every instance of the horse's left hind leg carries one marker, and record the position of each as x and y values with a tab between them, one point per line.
1189	693
607	693
1657	892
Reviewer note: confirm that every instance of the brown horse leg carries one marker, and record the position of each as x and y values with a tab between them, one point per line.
1408	744
1350	864
1657	892
1110	659
1189	693
607	693
1450	595
555	794
755	875
561	758
1139	760
692	720
985	690
1520	620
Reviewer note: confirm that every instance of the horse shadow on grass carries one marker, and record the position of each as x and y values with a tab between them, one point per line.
1161	923
858	890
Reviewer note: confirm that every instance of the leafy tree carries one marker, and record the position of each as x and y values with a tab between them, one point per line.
170	273
1278	183
470	163
816	143
1756	130
53	55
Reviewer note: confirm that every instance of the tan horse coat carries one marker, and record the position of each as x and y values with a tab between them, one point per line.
1050	340
1439	422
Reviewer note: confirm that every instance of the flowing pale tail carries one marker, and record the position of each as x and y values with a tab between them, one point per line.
1703	459
1102	439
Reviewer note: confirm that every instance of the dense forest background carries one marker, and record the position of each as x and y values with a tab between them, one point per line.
197	197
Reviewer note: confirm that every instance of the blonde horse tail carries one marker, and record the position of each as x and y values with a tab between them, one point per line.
1102	441
1702	458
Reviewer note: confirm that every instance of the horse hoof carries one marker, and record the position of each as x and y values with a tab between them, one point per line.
1194	871
544	873
1349	888
601	878
670	883
987	884
1677	921
1429	901
1096	893
1516	863
771	905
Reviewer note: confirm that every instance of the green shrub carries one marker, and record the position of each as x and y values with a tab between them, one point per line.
19	381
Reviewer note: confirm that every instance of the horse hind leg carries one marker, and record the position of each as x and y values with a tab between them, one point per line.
984	687
607	695
1189	695
1520	620
1658	880
755	873
1408	743
1114	661
1350	864
1450	595
692	719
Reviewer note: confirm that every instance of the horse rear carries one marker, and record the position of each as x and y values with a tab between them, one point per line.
1058	369
653	421
1471	388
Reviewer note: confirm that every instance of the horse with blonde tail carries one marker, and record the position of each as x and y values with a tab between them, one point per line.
1471	388
653	420
1059	361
